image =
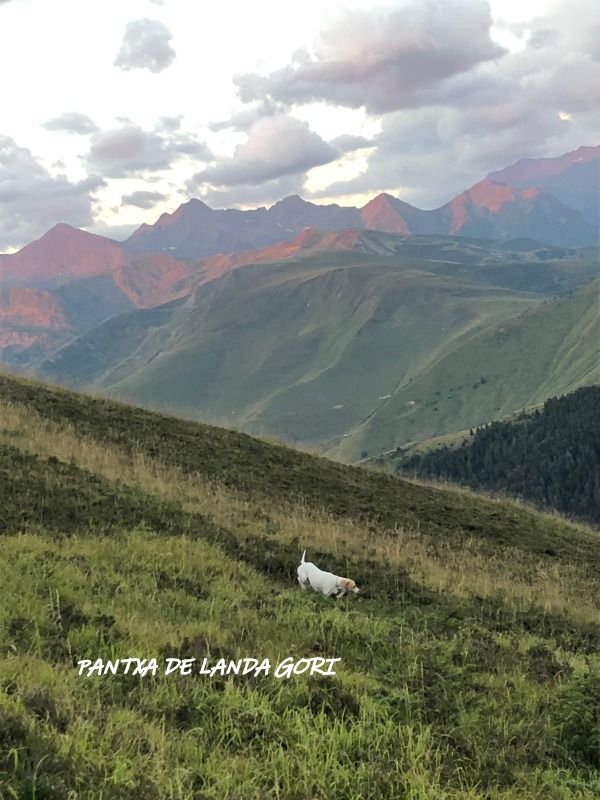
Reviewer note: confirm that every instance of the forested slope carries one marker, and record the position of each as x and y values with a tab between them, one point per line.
551	457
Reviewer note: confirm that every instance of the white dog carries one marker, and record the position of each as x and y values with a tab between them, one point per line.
331	585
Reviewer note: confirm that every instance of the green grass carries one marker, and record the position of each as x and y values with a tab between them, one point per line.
469	665
269	473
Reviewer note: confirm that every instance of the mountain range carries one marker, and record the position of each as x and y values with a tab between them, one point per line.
351	330
496	208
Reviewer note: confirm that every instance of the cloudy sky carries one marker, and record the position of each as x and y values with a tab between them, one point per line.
114	112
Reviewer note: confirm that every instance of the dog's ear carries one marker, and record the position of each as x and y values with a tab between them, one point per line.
349	585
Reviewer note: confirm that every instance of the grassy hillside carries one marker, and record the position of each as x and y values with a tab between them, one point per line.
544	352
469	666
299	350
550	457
316	350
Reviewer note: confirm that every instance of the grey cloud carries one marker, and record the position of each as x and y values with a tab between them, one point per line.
579	24
384	60
242	120
72	122
543	37
142	199
145	46
276	146
573	86
560	68
265	194
130	151
169	124
32	199
348	142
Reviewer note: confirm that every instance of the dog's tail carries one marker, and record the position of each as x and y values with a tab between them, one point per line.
302	559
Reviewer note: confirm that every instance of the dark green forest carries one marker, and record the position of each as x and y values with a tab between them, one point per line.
550	457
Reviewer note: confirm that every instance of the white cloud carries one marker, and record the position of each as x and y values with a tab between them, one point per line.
146	45
72	122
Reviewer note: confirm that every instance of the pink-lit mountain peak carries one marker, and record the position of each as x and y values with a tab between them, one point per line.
63	252
492	195
384	213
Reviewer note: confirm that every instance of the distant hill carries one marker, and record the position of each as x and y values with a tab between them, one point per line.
309	242
300	349
488	210
550	457
548	350
74	279
467	665
321	348
63	253
528	265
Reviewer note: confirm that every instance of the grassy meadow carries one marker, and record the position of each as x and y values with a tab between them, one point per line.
469	665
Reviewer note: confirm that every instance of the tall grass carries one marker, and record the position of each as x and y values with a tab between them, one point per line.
444	567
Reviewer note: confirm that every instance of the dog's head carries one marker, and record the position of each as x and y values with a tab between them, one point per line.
347	585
